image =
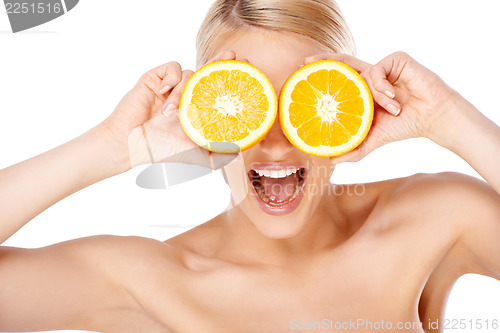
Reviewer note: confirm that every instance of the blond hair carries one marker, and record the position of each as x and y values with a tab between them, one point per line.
319	20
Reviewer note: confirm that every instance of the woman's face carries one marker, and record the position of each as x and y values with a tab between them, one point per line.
278	207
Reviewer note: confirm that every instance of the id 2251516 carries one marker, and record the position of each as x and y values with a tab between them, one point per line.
33	8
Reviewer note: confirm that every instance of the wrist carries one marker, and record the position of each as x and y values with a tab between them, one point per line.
451	129
113	152
137	147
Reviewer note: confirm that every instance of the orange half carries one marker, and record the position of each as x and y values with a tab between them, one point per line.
326	108
228	101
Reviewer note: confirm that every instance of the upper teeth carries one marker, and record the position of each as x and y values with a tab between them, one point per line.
277	173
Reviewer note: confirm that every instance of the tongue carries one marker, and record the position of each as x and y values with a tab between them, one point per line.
279	190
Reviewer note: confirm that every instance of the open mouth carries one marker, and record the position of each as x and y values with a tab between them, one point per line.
277	185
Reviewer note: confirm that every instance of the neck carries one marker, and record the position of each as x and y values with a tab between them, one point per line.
243	242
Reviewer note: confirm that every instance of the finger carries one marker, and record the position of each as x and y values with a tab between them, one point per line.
175	96
219	160
224	55
201	156
170	110
392	68
378	76
171	77
373	141
388	103
354	155
351	61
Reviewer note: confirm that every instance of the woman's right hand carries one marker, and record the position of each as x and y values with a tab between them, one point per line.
153	103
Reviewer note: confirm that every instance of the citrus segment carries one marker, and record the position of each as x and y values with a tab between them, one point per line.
304	93
228	101
319	80
337	81
353	106
338	135
326	108
300	113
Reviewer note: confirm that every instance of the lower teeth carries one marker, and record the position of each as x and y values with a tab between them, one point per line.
262	194
266	199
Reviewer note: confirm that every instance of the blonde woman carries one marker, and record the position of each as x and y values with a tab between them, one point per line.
388	257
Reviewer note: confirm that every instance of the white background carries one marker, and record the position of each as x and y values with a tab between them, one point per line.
60	79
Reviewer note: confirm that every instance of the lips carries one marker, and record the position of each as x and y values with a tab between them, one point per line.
278	187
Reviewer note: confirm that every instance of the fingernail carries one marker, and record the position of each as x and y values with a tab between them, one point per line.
393	109
169	110
164	89
389	93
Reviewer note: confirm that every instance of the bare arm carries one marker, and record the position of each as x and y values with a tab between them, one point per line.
62	286
461	213
476	139
437	112
464	130
30	187
425	107
92	283
471	209
79	284
430	108
112	147
472	136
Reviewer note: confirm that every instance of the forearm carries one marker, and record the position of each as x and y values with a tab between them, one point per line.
475	138
30	187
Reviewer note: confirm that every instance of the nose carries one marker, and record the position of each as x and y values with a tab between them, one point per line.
275	144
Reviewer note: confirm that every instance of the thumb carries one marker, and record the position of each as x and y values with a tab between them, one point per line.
357	154
354	155
219	160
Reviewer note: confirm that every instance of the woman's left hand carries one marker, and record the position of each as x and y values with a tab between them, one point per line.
410	100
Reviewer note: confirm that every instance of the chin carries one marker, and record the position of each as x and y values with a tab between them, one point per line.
279	227
275	226
275	195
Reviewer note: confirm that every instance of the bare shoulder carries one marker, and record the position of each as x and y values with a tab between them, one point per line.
104	249
447	197
134	264
108	254
456	217
451	183
446	209
71	284
151	272
128	262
